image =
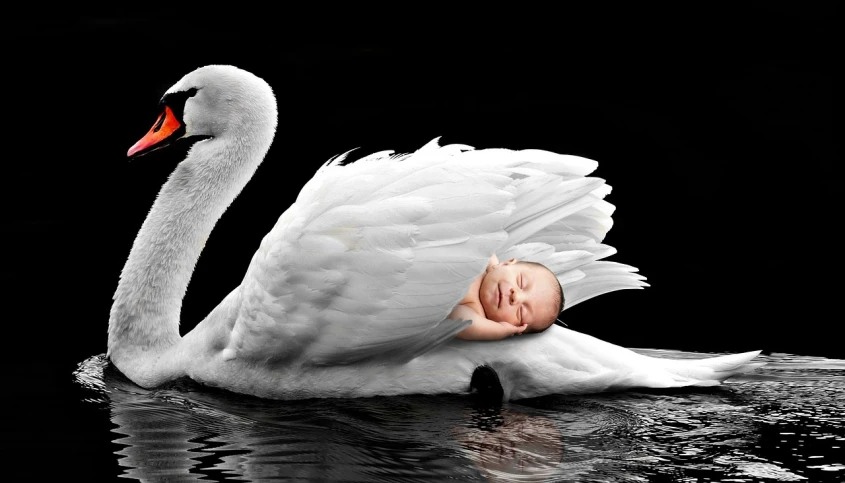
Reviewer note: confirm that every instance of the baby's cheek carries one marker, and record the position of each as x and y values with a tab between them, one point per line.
511	319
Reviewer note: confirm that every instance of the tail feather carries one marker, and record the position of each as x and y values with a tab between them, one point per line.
712	370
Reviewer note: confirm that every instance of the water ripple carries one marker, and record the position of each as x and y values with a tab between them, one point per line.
786	422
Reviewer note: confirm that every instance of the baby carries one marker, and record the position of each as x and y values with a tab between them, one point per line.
510	298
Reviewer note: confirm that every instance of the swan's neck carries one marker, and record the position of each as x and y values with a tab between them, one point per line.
144	320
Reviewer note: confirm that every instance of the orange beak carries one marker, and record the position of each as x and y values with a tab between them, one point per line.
164	127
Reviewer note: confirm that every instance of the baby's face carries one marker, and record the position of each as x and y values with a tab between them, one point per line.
519	293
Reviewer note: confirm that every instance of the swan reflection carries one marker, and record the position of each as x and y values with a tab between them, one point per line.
185	432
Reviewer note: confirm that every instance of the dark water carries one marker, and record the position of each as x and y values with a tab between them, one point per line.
786	422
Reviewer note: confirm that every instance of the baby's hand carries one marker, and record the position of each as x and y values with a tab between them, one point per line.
511	329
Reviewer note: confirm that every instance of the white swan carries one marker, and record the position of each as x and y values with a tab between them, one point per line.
347	295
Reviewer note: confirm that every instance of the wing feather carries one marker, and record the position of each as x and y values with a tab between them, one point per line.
374	254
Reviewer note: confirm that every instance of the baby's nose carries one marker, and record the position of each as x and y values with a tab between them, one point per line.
516	295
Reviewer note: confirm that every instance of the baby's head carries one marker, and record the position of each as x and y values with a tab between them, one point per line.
521	293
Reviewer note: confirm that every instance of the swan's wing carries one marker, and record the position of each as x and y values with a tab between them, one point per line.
374	254
370	260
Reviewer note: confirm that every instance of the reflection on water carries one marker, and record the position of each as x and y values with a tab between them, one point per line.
785	422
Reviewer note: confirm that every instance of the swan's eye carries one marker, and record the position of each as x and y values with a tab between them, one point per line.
176	100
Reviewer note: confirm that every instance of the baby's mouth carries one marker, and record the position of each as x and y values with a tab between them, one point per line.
498	297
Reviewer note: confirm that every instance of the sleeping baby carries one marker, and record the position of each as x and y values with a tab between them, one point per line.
510	298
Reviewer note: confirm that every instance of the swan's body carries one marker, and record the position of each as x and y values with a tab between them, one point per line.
347	295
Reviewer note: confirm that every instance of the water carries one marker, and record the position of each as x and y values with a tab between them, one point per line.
786	422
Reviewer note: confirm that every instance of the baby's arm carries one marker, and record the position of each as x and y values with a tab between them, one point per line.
483	328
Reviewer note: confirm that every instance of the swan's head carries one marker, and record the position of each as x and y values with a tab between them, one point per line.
210	102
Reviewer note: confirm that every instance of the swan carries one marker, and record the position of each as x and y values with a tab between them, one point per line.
347	295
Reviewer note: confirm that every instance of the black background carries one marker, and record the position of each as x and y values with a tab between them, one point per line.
714	128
